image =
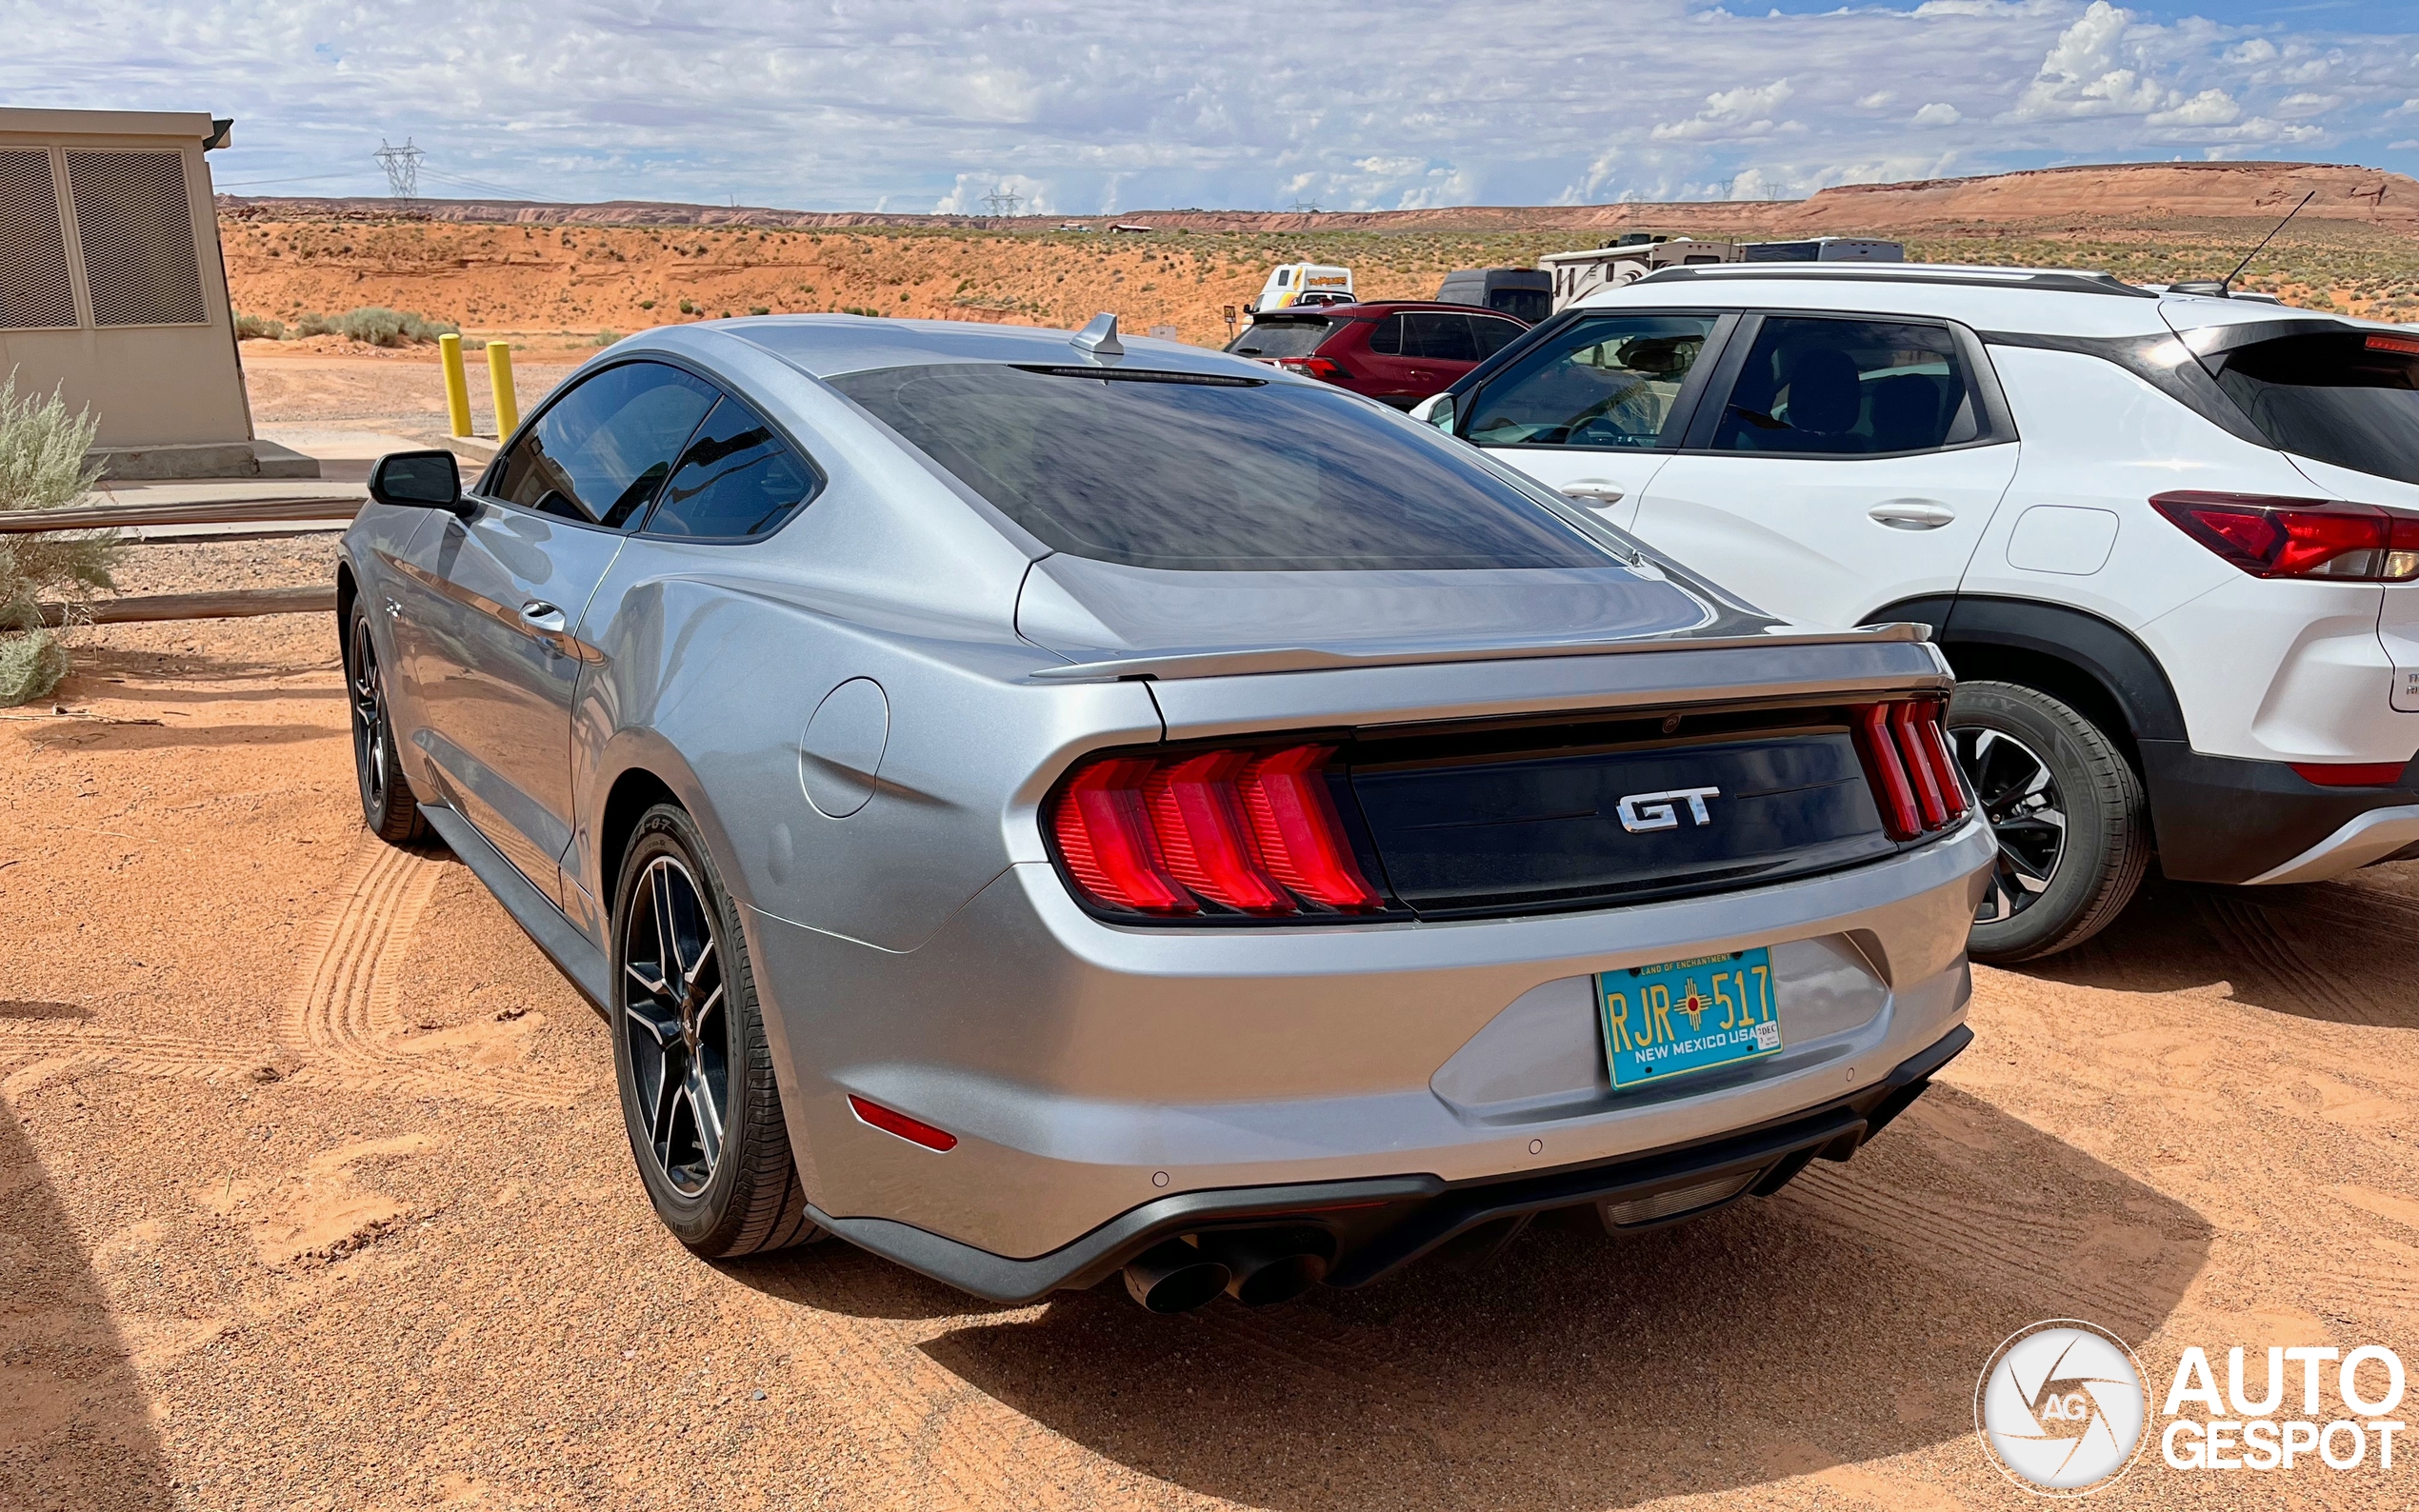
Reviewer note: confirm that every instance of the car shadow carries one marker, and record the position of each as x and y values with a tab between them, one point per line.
2338	951
75	1431
1844	1319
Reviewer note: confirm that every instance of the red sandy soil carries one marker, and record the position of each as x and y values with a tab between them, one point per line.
313	1194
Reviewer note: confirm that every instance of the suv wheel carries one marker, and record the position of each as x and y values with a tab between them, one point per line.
2068	808
698	1092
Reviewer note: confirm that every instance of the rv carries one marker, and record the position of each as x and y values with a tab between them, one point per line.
1825	249
1289	283
1579	275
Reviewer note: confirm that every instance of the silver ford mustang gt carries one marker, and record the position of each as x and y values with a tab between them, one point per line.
1042	808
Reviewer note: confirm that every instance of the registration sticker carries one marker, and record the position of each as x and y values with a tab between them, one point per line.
1666	1021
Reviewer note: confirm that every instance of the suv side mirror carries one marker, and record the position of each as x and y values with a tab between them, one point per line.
419	480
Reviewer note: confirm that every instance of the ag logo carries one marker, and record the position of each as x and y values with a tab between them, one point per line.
2059	1407
1641	812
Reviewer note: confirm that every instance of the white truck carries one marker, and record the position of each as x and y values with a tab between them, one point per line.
1289	282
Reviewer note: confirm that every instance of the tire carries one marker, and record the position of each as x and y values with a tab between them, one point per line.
698	1095
2073	829
388	807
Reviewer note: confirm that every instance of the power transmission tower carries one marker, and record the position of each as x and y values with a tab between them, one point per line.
1306	207
403	169
1001	203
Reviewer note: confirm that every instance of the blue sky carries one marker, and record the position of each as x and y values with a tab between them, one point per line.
1090	106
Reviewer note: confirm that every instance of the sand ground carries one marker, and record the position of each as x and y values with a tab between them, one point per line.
313	1194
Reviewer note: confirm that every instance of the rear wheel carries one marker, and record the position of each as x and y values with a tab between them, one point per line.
388	804
698	1093
2072	825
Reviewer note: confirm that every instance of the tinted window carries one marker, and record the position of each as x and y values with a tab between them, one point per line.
735	479
1493	335
1224	476
1438	338
1601	383
1531	304
1849	388
2350	399
600	452
1387	340
1280	338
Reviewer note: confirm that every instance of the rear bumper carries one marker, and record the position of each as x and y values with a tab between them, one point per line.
2224	819
1381	1225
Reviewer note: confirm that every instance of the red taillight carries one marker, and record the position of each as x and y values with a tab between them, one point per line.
889	1121
1322	369
2404	345
2351	774
1253	830
2299	538
1908	761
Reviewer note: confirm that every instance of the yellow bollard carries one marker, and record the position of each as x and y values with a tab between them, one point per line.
457	388
507	409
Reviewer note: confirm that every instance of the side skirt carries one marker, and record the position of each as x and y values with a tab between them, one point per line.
572	952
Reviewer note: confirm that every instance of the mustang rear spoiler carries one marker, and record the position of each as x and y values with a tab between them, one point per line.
1247	661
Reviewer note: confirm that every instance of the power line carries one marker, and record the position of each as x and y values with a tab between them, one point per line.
1001	202
403	169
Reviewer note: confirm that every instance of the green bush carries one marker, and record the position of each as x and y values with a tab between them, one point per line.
759	309
377	325
259	327
41	467
688	307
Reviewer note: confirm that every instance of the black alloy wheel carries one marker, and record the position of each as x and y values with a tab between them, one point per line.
2020	801
700	1099
674	1016
387	804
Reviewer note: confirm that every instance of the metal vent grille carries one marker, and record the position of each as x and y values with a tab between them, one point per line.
135	225
34	291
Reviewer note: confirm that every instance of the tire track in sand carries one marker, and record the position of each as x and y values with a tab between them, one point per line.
344	1016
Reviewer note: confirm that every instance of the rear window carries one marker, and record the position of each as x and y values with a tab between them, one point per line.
1281	338
1166	470
2349	399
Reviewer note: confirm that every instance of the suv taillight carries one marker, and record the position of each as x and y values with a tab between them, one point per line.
1322	368
1906	759
2271	537
1252	830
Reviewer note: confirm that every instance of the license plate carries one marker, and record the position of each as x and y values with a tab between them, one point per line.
1683	1016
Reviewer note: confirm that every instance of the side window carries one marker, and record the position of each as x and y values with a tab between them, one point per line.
1849	388
1438	338
1387	341
599	453
735	479
1493	336
1609	383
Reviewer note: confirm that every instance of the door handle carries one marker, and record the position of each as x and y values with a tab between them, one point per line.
1597	491
540	615
1912	514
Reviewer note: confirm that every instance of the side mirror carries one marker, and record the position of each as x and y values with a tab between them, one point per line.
1437	409
418	480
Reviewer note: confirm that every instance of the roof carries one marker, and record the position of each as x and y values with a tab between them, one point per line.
1369	307
826	346
185	126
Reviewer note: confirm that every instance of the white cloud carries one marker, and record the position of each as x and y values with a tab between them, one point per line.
1745	111
2208	107
1939	114
1875	100
2083	75
967	197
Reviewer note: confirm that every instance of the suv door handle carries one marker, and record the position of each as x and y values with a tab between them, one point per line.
1912	514
1595	490
540	615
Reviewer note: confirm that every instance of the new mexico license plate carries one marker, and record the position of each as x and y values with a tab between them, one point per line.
1684	1016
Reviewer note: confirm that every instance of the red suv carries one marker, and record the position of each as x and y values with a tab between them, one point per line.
1398	352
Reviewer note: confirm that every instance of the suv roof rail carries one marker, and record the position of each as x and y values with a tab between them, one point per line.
2059	281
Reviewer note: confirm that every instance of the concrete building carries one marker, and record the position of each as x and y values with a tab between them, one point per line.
114	290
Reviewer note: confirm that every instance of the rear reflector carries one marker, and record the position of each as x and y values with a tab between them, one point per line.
1248	830
2271	537
1907	760
2351	774
912	1130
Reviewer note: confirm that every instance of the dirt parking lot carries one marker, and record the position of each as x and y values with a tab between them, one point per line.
313	1194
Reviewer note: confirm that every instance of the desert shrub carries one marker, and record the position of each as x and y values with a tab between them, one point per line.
759	309
259	327
688	307
647	303
42	465
377	325
606	338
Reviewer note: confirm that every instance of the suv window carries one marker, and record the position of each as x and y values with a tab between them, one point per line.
1280	338
1438	338
736	479
1214	474
599	452
1495	335
1608	383
1386	339
2349	399
1849	388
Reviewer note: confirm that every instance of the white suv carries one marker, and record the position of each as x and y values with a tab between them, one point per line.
2170	542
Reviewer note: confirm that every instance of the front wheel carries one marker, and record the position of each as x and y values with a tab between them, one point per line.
697	1087
387	804
2072	824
